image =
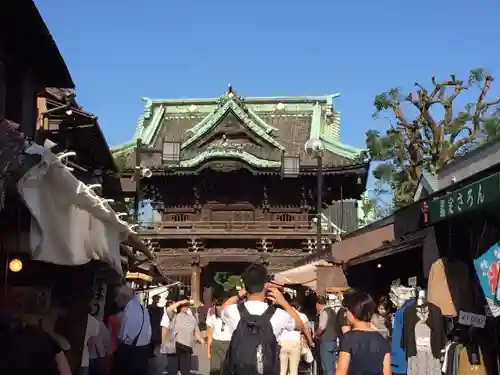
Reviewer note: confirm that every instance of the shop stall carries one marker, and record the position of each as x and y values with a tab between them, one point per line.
58	239
399	261
464	280
303	275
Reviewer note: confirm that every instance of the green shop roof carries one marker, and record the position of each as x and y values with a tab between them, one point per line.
256	130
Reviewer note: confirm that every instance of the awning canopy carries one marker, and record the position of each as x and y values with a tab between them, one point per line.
304	275
363	243
408	242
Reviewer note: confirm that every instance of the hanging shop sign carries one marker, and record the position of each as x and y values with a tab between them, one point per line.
465	199
471	319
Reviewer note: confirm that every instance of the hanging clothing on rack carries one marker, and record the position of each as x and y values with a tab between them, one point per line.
450	362
449	287
423	339
470	360
463	359
399	364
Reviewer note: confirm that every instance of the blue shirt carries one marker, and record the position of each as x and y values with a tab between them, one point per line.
399	364
367	350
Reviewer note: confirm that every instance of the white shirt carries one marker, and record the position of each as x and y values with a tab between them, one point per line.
280	321
221	332
293	335
131	323
92	330
165	320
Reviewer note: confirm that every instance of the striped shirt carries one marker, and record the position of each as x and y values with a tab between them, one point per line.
184	326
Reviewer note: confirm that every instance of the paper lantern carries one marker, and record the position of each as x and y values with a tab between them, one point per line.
15	265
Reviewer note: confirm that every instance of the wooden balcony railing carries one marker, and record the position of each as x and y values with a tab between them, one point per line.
232	227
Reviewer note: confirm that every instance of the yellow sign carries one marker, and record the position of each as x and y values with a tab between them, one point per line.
138	275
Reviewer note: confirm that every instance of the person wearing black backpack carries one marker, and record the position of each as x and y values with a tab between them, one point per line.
256	324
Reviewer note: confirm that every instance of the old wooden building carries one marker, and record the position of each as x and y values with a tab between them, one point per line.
232	182
29	62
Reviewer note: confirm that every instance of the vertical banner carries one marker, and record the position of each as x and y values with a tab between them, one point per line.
487	268
98	300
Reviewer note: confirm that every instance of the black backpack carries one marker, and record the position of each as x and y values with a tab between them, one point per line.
253	349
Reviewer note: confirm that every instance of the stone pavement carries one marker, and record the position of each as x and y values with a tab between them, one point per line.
201	360
200	363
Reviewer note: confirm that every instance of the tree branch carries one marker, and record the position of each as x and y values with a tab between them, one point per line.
479	111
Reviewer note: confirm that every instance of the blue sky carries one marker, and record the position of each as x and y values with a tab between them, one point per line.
119	51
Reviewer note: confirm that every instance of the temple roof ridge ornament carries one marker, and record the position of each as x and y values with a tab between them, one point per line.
224	144
229	152
231	103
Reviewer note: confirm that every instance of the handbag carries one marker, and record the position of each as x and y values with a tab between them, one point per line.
123	350
307	354
305	350
170	346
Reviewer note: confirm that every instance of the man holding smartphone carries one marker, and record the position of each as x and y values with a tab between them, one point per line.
254	344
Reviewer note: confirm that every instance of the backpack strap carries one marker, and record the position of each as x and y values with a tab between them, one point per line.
268	314
242	309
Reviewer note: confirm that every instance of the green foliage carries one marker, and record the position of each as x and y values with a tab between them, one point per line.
373	205
224	283
431	138
121	162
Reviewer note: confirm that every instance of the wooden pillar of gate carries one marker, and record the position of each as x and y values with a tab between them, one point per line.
195	279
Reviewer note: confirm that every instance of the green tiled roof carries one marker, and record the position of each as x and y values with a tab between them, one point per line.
324	124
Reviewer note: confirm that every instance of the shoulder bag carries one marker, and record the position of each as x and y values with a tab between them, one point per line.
169	346
123	350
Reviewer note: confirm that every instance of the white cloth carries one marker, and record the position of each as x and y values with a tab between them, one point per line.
220	331
92	330
102	346
61	208
293	335
165	320
133	317
104	243
59	229
280	321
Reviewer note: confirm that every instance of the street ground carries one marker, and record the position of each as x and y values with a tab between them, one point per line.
200	363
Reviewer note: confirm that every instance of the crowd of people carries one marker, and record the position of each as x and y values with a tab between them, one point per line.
258	331
261	330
